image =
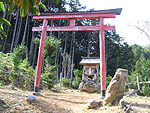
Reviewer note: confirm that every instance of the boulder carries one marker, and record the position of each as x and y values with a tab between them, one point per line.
115	90
89	86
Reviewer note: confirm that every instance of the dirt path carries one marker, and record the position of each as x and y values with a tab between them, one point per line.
63	101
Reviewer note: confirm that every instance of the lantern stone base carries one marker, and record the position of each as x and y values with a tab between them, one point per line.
89	86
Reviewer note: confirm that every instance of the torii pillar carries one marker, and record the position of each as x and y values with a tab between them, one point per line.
101	15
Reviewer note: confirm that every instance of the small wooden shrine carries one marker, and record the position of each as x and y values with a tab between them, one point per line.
91	68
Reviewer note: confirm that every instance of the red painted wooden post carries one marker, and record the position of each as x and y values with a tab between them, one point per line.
102	57
66	16
74	28
72	22
40	57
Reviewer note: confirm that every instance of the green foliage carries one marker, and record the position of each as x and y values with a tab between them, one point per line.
43	6
77	79
65	82
132	81
119	53
137	50
50	48
108	80
21	77
25	6
49	76
146	89
2	20
18	55
27	72
51	45
142	70
36	40
14	76
5	60
2	7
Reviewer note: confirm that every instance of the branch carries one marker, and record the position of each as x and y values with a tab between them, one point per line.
143	32
128	109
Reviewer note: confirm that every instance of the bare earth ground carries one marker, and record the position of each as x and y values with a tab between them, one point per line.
63	101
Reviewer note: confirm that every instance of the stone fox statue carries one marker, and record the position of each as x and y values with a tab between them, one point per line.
115	90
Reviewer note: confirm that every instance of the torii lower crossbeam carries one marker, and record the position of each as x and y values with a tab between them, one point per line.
101	15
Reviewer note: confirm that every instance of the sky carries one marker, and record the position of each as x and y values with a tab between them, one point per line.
133	11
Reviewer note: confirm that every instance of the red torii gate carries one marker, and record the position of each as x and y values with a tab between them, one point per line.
101	15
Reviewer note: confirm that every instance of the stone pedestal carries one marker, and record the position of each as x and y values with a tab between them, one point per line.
115	90
89	86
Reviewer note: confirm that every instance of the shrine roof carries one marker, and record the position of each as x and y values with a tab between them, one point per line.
90	60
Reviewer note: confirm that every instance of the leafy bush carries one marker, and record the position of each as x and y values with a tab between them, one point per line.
14	76
51	45
6	67
132	81
108	80
142	68
20	75
50	48
65	82
27	73
49	76
18	55
145	89
77	79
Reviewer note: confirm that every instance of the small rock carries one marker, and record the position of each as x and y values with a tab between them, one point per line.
31	99
94	103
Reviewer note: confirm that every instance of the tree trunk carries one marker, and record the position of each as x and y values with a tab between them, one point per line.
138	84
68	65
71	49
18	33
31	49
72	65
25	30
57	56
34	56
5	12
64	59
89	45
14	33
27	42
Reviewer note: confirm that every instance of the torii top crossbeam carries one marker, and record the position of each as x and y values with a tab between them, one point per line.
111	13
72	16
79	15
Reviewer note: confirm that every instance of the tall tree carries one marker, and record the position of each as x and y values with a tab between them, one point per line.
14	33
